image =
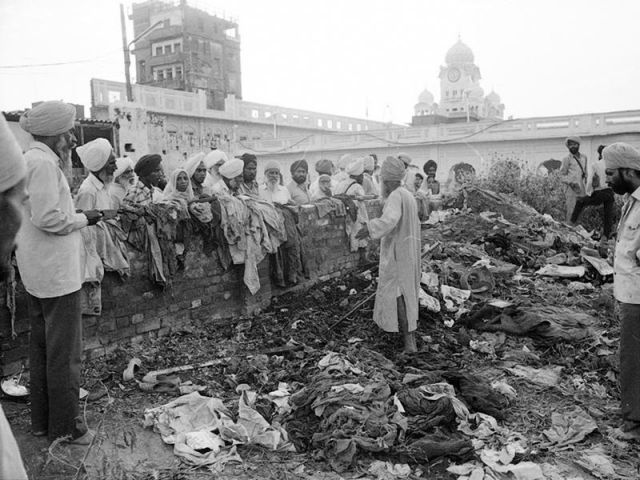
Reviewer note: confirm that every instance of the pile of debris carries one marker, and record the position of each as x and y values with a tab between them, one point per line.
516	363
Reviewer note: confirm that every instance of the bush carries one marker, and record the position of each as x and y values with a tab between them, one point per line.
544	193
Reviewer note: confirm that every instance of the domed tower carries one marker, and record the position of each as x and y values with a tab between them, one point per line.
460	82
425	105
494	108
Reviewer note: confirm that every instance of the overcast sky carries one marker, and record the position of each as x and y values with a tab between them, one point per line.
543	57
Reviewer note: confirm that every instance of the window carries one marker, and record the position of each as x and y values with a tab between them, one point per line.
179	72
358	127
167	49
283	115
338	125
320	122
350	127
169	73
255	113
267	114
158	51
329	123
177	47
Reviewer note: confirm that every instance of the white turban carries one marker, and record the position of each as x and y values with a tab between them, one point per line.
345	160
369	163
122	164
49	119
232	168
621	155
406	159
192	163
12	165
214	157
356	167
95	154
272	165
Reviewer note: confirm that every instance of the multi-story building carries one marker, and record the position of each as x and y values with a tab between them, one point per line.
190	49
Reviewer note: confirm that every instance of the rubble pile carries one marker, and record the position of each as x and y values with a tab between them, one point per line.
515	375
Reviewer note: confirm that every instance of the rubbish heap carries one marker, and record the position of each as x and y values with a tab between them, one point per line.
516	362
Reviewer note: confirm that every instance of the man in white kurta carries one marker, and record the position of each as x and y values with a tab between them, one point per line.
396	304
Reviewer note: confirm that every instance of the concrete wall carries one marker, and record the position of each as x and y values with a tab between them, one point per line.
202	292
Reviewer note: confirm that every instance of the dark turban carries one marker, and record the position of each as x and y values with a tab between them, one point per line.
147	164
324	166
299	163
429	164
248	158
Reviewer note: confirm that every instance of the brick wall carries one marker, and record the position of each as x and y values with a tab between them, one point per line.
202	292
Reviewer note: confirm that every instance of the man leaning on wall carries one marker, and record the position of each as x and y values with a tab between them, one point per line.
48	256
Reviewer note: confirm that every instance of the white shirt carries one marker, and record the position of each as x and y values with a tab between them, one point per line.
626	276
279	194
93	195
49	240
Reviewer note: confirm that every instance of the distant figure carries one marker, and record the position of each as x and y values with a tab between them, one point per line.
352	185
431	186
369	186
249	186
232	177
146	190
324	187
97	157
396	305
342	164
272	190
622	169
213	161
197	172
123	180
417	181
323	167
178	192
598	193
574	172
298	185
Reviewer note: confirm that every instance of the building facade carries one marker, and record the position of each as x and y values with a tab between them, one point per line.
189	49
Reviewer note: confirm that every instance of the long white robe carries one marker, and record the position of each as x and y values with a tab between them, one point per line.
399	273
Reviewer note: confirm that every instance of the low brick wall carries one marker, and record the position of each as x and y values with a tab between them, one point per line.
135	308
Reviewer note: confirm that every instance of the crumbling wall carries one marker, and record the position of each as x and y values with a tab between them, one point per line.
203	292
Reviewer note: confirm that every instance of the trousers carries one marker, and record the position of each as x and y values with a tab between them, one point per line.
55	350
599	197
630	361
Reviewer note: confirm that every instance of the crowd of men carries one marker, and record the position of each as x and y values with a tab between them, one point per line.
46	228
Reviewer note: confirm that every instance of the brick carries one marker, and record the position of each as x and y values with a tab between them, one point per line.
122	322
137	318
148	325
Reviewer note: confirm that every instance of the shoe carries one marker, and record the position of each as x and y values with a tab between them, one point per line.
85	439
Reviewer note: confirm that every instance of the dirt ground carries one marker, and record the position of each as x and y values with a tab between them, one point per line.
286	342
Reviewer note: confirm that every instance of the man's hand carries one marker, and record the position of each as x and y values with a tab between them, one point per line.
363	233
93	216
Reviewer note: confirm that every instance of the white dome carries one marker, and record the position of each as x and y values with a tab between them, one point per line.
459	53
426	97
494	98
